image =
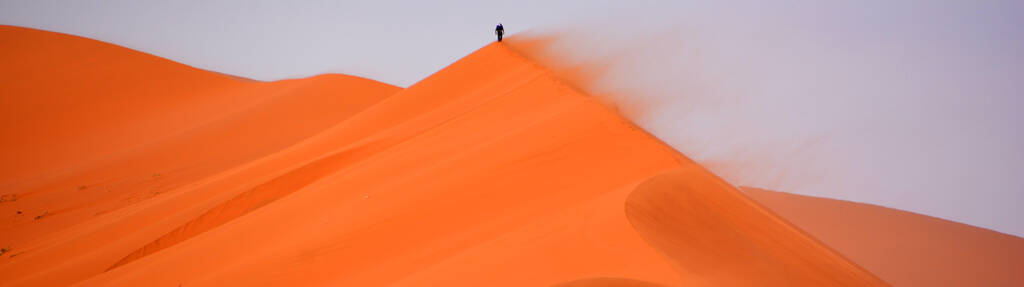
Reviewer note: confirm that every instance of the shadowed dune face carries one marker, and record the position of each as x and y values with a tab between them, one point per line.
712	232
904	248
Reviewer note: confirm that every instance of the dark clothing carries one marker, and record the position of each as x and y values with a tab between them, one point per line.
500	31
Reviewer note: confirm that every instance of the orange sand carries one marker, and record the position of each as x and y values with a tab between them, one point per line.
89	128
903	248
491	172
726	239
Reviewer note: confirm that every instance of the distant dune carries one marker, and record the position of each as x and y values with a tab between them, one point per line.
125	169
90	128
903	248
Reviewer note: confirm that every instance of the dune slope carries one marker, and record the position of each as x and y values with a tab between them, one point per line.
725	239
89	128
904	248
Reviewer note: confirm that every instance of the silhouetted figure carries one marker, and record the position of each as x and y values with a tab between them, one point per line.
500	31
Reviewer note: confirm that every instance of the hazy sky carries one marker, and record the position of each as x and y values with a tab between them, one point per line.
907	104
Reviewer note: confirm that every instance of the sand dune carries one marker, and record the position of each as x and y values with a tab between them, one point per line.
725	239
89	128
491	172
903	248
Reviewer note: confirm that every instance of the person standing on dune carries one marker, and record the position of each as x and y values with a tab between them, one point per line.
500	31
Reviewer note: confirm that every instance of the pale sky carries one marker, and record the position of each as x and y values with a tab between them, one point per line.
908	104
